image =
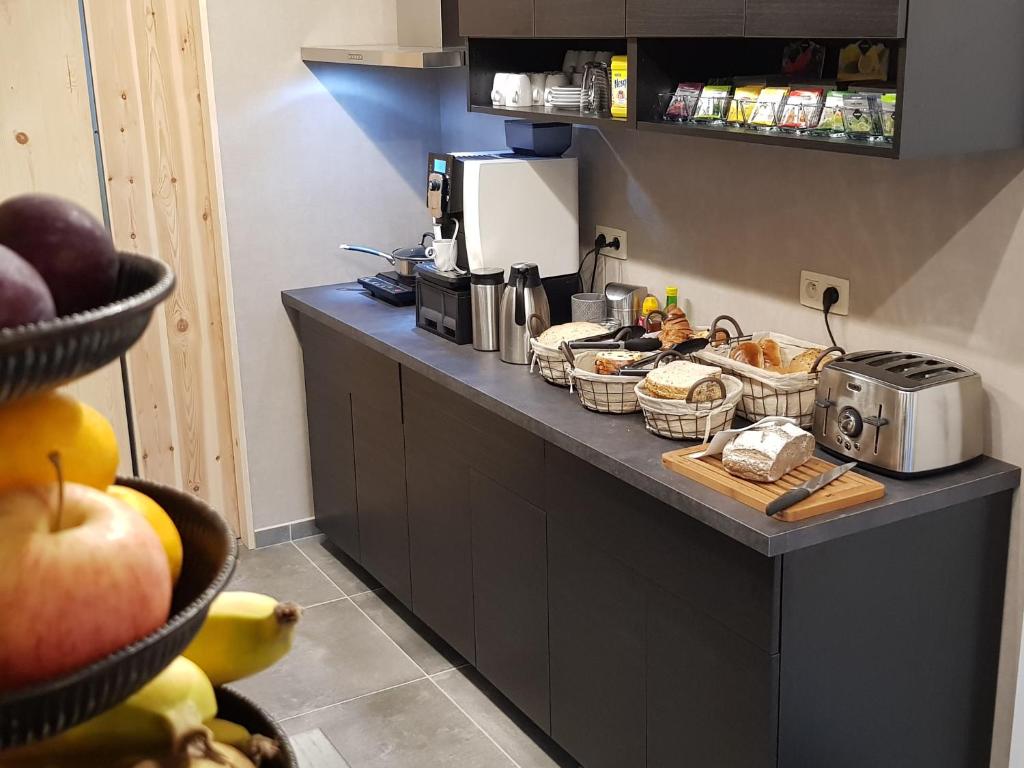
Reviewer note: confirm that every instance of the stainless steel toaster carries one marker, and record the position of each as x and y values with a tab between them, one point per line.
900	412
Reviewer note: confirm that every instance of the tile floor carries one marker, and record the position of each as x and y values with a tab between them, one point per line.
367	685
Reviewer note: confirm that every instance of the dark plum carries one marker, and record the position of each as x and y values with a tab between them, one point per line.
24	297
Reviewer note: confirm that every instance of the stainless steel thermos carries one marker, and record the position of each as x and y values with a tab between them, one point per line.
523	298
486	285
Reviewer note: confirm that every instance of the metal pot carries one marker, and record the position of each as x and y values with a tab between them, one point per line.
404	260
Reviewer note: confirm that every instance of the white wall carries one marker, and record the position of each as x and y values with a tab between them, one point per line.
310	159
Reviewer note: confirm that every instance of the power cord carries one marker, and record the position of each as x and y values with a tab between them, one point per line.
828	300
600	242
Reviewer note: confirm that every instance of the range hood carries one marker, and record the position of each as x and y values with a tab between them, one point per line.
427	39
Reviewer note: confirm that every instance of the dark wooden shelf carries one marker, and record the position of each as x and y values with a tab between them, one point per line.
774	138
547	114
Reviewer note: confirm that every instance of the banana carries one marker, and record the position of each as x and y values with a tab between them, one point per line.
244	633
160	717
229	733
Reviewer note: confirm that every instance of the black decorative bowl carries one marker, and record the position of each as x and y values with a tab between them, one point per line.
45	355
44	710
235	707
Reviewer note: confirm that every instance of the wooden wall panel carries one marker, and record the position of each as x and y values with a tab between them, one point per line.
150	76
46	142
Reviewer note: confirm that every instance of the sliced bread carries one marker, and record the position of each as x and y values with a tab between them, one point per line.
674	381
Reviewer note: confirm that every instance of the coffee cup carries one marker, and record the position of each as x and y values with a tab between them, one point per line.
498	90
570	62
518	92
445	253
537	81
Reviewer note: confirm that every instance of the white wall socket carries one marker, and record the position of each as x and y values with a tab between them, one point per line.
813	286
610	234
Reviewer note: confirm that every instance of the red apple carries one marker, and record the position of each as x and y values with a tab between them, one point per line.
74	585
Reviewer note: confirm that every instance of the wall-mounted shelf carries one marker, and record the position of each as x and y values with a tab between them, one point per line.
547	114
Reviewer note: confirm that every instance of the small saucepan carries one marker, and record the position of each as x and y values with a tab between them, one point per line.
404	260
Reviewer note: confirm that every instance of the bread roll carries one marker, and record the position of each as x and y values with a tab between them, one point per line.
611	362
556	334
674	381
802	363
768	454
748	352
772	354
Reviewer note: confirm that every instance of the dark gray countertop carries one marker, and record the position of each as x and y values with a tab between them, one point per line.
620	444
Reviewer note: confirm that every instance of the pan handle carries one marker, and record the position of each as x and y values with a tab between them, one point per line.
366	249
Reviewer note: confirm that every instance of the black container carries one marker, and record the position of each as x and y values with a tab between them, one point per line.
235	707
44	355
209	548
443	311
538	139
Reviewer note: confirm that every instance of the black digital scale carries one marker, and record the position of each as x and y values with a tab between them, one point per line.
391	287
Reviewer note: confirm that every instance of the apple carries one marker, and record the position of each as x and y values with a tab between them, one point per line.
24	297
67	245
79	579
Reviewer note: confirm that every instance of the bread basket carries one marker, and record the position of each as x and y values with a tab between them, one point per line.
598	392
688	420
766	393
552	363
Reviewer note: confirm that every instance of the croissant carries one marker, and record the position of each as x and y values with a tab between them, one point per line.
675	329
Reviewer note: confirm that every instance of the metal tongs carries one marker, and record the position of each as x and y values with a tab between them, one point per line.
680	351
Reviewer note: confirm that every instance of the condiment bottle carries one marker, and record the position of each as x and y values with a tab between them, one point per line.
671	298
650	305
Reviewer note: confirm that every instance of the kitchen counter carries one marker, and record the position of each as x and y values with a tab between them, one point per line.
620	445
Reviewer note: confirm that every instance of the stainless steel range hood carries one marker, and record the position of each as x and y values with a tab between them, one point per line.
427	38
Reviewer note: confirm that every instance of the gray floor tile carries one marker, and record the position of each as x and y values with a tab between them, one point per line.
283	572
412	726
339	567
313	750
413	636
338	653
526	743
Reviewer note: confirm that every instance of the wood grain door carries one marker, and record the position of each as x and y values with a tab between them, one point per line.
580	18
826	18
496	18
684	18
510	595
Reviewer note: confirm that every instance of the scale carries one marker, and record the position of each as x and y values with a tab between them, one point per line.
391	287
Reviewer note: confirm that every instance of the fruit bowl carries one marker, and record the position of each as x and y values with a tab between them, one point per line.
235	707
50	353
209	548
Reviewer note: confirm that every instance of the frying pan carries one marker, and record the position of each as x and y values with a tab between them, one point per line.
404	260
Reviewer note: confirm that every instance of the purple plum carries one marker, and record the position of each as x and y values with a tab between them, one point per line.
24	297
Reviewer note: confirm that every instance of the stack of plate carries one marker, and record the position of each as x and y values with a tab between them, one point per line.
564	97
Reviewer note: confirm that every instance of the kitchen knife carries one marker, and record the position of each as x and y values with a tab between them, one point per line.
801	492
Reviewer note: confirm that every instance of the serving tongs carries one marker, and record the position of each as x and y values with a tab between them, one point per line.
680	351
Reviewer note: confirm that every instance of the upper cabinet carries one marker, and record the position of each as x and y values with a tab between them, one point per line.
819	18
496	18
684	18
579	18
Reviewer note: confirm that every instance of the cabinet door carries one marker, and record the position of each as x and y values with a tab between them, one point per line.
826	18
496	18
596	615
712	697
380	470
510	595
580	18
684	18
326	359
440	555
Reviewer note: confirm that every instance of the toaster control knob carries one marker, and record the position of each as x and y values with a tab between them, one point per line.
850	422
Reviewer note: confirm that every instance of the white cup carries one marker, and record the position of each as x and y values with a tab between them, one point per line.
537	81
570	62
518	92
444	253
554	80
498	90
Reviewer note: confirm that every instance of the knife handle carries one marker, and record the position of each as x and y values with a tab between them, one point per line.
787	500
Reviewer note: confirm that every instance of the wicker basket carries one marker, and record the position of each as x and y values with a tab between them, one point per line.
685	420
772	394
601	393
551	363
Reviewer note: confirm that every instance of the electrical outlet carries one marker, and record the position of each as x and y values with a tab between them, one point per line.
813	286
610	234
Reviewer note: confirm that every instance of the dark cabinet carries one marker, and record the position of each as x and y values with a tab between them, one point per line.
597	616
711	695
325	355
510	595
684	18
580	18
496	18
826	18
379	446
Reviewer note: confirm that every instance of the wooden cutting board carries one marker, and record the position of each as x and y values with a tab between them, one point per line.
849	490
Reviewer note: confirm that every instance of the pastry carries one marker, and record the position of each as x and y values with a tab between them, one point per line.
767	454
674	381
748	352
772	354
675	328
556	334
611	362
802	363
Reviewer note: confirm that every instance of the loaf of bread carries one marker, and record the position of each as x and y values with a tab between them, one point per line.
611	362
768	454
675	380
556	334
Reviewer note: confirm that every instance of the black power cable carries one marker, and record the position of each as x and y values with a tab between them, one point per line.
828	300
